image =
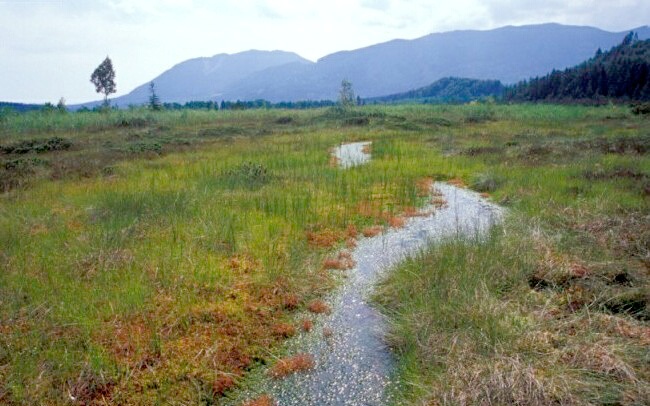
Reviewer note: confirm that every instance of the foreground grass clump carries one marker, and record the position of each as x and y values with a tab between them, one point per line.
160	258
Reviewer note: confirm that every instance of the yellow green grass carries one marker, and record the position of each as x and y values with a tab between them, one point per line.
152	261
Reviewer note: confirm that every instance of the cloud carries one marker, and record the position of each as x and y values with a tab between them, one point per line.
382	5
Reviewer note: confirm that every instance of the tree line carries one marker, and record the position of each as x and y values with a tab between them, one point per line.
620	74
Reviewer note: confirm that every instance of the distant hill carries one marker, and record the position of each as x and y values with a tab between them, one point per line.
508	54
20	107
446	90
622	73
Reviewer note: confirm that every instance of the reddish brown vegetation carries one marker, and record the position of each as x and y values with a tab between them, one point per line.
458	182
284	330
351	231
291	365
342	261
222	384
371	231
290	301
424	186
264	400
351	243
318	307
307	325
396	222
326	238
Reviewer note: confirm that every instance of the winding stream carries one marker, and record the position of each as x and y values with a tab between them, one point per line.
353	364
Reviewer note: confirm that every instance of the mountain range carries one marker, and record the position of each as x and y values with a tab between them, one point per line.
508	54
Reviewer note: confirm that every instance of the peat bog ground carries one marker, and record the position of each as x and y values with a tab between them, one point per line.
165	258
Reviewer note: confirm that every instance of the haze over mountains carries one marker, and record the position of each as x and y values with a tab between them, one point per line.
508	54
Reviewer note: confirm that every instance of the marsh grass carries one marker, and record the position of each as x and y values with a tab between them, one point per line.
162	255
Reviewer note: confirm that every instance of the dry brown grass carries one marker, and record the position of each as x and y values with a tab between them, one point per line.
292	365
319	307
504	381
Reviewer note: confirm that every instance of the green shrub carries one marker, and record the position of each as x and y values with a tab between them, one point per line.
38	146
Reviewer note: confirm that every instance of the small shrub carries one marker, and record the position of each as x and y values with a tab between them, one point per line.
38	146
133	122
284	120
144	147
24	164
356	121
641	109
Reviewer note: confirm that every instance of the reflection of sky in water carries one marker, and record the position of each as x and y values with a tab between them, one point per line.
354	365
352	154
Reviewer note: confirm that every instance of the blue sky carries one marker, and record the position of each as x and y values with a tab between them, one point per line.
49	48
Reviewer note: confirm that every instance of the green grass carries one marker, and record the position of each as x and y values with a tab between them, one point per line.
154	256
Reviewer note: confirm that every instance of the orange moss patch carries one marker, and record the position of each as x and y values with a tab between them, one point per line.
318	306
485	195
343	261
307	325
264	400
290	301
334	161
222	384
326	238
439	202
396	222
371	231
284	330
424	186
410	211
351	231
291	365
367	149
458	182
350	243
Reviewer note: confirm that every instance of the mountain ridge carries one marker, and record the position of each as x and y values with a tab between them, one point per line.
508	54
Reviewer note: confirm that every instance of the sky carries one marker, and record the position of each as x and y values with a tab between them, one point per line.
49	48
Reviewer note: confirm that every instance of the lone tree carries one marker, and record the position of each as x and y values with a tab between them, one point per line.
154	100
346	94
104	79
